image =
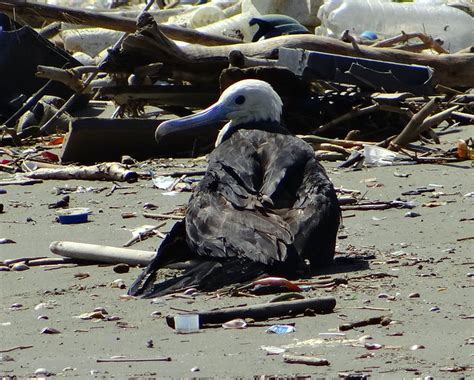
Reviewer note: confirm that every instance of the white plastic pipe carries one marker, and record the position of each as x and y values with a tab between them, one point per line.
101	253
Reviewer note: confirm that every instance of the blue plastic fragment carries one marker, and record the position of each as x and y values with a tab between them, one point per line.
281	329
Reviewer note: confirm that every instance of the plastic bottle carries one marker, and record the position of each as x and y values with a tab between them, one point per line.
236	26
386	19
464	150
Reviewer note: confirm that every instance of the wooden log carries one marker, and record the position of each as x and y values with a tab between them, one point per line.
101	253
109	171
453	70
265	311
26	9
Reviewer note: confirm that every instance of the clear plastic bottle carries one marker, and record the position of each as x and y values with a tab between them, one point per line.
386	19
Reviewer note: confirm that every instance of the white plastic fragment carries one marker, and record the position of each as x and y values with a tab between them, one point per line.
163	182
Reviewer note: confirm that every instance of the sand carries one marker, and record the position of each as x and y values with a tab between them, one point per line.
416	272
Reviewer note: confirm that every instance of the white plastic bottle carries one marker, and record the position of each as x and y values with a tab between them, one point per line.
386	19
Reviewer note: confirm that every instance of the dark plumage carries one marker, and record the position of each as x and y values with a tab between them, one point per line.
265	204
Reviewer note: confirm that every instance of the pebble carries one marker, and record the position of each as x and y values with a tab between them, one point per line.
235	324
417	347
118	283
46	305
50	330
42	372
101	309
149	206
373	346
121	268
190	292
272	350
18	267
411	214
414	295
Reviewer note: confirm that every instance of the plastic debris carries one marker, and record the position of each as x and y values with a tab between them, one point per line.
281	329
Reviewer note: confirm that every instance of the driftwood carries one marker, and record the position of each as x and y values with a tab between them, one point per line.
308	360
453	70
428	42
383	320
134	360
110	171
312	139
412	129
101	253
264	311
43	12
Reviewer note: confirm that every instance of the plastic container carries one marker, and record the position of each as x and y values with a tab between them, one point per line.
186	323
464	150
386	19
236	26
73	215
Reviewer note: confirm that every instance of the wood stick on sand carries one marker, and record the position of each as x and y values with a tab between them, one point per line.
411	131
134	360
308	360
264	311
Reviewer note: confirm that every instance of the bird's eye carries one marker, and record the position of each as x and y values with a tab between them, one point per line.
240	100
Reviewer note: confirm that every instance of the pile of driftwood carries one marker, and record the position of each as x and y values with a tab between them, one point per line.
338	95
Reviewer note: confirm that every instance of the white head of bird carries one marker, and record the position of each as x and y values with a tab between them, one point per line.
247	101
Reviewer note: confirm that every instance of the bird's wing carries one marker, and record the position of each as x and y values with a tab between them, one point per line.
302	195
227	217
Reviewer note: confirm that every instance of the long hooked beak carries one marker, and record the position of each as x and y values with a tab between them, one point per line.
215	113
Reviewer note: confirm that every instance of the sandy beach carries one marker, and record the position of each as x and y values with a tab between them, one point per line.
416	271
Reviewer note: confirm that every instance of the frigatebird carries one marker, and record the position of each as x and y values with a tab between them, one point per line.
264	206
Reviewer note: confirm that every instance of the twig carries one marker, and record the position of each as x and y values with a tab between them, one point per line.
465	238
144	234
313	139
364	322
373	275
404	37
16	348
64	76
134	360
181	173
162	216
356	112
22	182
369	308
436	119
175	182
411	131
